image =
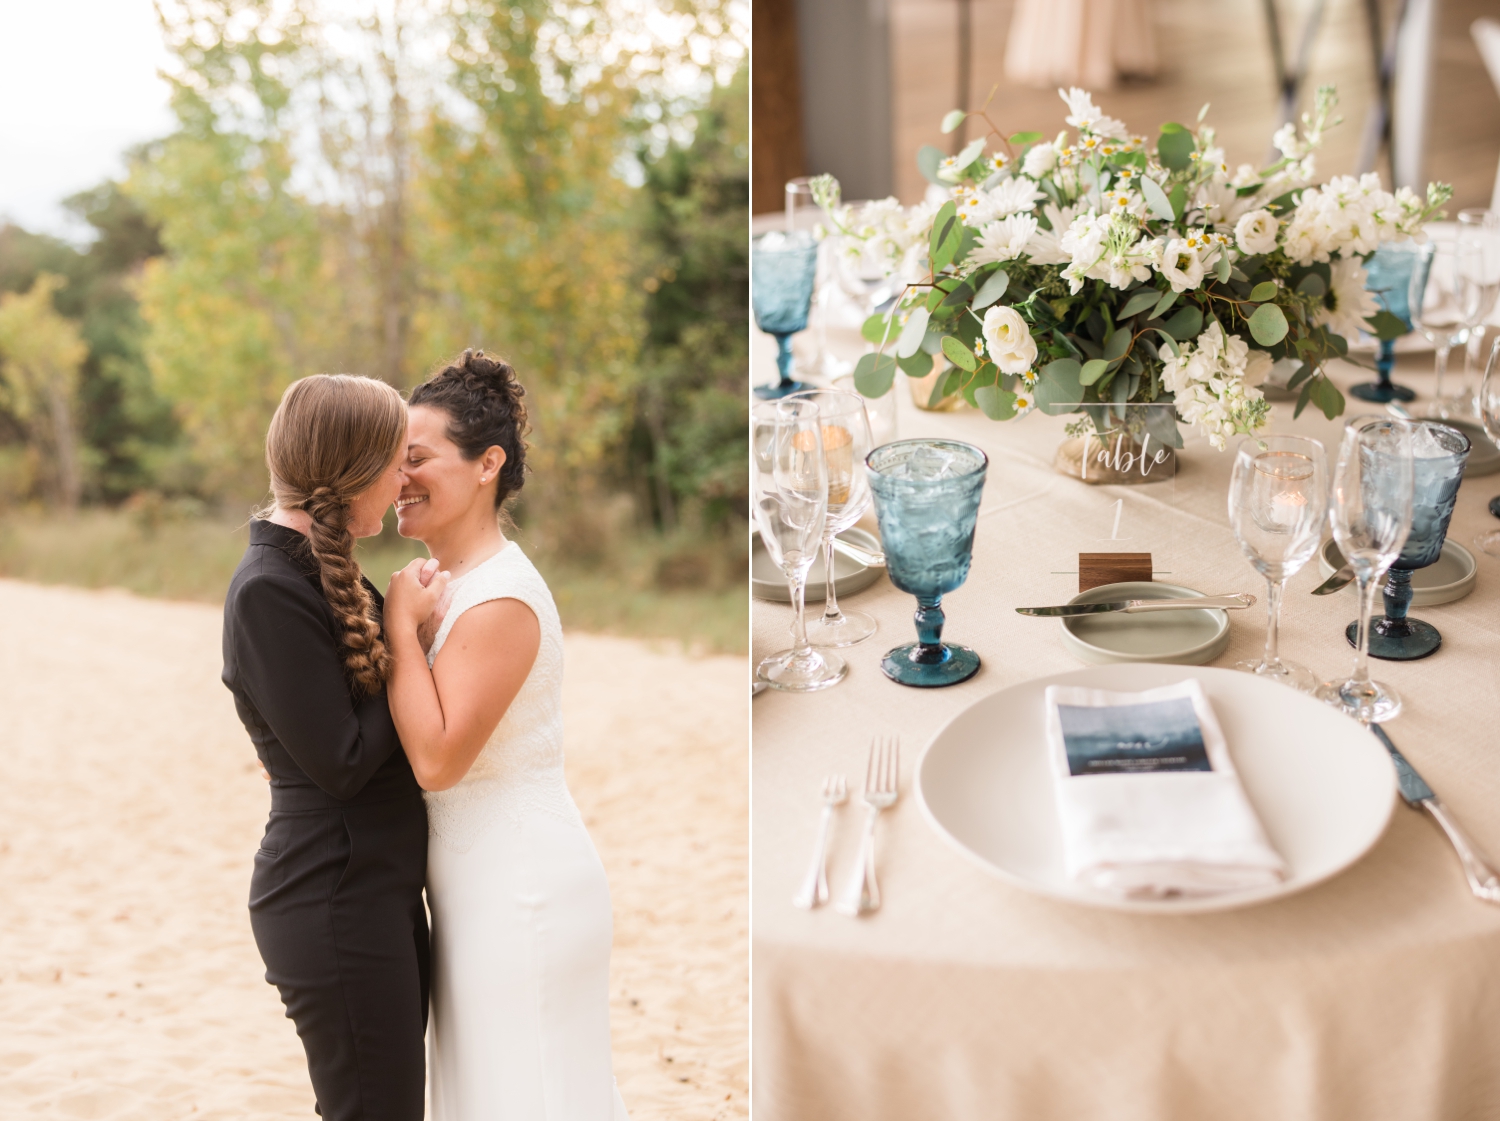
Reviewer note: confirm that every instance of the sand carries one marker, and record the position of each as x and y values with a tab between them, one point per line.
130	806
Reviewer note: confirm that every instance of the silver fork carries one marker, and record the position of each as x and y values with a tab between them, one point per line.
815	887
882	774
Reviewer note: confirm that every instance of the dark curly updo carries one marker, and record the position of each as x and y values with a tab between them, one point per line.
482	398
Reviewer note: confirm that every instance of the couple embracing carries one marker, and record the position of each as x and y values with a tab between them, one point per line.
415	741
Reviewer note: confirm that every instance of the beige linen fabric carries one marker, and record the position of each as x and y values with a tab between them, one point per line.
1373	996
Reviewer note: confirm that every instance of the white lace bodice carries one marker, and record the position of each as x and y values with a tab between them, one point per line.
520	770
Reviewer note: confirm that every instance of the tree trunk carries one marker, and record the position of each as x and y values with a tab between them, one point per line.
65	444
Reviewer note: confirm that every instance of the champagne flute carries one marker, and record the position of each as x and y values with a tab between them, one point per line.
789	494
1437	305
1489	413
1479	263
846	442
1371	513
1278	497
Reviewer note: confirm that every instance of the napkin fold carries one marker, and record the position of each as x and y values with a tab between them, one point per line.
1148	797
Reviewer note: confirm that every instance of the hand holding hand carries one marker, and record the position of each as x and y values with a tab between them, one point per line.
410	600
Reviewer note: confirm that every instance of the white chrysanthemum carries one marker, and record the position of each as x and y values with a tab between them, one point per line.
1040	160
1010	196
1255	233
1045	246
1347	304
1003	240
1124	202
1087	117
1009	340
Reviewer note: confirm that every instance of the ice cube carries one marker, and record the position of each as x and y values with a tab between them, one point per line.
1428	443
930	463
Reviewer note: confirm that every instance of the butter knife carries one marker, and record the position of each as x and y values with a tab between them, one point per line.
1338	580
1483	881
1134	606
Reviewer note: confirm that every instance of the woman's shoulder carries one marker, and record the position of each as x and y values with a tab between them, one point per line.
267	577
509	574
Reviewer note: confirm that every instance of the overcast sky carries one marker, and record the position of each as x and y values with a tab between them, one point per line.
78	85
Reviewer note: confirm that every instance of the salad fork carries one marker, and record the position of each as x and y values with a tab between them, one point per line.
815	887
882	775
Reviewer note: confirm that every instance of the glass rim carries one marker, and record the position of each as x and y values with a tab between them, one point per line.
929	441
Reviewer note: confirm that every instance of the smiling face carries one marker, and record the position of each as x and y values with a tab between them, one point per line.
442	486
367	512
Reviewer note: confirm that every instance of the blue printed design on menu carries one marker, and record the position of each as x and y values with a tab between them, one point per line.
1133	739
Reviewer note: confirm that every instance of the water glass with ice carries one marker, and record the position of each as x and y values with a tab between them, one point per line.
783	270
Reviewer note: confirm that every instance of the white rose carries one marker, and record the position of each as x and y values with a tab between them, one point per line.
1008	340
1040	160
1255	233
1181	265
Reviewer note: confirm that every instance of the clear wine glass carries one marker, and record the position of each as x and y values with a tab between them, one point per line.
1437	305
1278	498
1489	414
1370	508
846	442
789	495
1479	264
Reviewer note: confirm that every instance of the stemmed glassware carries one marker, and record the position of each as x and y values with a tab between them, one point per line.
1479	272
846	442
783	270
1440	304
927	499
1388	279
1489	413
1371	513
789	496
1278	497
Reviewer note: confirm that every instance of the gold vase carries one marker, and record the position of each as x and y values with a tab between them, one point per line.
921	392
1115	458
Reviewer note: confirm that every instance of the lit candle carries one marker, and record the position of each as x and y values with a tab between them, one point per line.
1287	507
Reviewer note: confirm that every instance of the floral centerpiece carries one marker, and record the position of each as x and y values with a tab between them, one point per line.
1092	272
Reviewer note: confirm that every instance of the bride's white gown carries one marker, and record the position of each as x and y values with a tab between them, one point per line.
519	1025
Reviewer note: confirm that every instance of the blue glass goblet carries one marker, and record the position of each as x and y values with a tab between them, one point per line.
927	501
783	268
1438	457
1388	279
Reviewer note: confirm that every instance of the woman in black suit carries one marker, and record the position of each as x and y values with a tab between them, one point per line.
336	895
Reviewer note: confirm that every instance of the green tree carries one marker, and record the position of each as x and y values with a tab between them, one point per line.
41	353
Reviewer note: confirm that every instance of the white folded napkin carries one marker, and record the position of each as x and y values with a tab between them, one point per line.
1148	797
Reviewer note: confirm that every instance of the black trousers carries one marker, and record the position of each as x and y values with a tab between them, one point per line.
336	907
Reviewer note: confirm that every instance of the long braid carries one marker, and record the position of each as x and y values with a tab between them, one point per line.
367	660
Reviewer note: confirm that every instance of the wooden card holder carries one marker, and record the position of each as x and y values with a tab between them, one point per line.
1111	568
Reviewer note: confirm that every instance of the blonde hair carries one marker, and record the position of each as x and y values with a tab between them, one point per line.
331	439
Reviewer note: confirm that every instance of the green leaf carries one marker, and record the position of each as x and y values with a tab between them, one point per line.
967	239
1265	290
1058	390
1385	326
1025	138
1156	199
1324	394
1186	324
1302	373
958	298
911	335
1092	371
1172	126
876	328
919	365
995	403
944	386
1175	148
1221	268
1117	344
873	374
1168	298
1161	423
1146	297
1312	285
1268	325
952	120
1169	342
928	161
1178	199
946	233
991	290
960	355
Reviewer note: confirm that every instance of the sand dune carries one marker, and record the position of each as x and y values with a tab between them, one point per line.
130	806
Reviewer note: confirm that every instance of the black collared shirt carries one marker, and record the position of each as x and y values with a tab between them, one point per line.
282	662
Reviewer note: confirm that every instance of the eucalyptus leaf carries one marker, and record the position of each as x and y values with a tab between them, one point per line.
1168	298
995	403
960	355
1175	147
1324	394
1268	325
952	120
1178	199
943	224
1169	342
1156	199
1222	267
876	328
1265	290
1025	138
1146	297
1117	343
929	159
1386	326
919	365
1312	285
1092	371
873	374
1161	423
1187	323
991	290
1058	385
911	335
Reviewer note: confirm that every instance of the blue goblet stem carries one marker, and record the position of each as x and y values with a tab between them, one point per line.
930	619
1385	361
784	359
1398	593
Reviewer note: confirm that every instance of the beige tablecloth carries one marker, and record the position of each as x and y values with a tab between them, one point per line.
1375	995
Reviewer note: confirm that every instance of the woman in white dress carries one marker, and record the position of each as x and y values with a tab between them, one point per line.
520	906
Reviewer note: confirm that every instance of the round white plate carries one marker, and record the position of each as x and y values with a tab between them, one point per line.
1322	785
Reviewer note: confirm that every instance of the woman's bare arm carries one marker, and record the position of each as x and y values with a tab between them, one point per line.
445	715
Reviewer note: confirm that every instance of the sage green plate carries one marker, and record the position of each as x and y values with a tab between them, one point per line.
767	582
1451	578
1484	456
1188	637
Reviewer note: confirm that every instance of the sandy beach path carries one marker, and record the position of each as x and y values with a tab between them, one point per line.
130	808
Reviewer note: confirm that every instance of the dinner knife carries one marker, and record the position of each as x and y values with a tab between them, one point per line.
1338	580
1133	606
1483	881
855	552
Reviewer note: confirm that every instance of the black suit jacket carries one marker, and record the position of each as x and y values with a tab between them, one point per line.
282	662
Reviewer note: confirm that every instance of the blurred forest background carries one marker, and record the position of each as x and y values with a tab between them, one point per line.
562	182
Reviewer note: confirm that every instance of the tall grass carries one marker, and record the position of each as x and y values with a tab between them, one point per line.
177	555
